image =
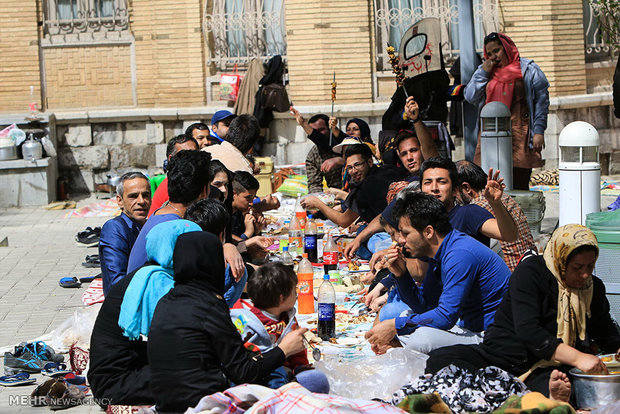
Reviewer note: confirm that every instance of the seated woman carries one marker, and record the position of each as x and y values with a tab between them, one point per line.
194	349
553	309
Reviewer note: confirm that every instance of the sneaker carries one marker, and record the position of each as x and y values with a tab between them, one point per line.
43	351
22	360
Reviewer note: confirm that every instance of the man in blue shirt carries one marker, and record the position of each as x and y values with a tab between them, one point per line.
461	291
133	195
440	179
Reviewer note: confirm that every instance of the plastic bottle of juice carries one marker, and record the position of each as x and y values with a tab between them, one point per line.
300	212
330	254
305	286
295	240
311	240
326	310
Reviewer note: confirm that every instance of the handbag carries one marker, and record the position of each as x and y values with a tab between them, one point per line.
276	98
229	85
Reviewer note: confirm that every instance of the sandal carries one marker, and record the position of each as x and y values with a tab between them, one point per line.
38	398
21	378
70	282
55	369
71	378
62	395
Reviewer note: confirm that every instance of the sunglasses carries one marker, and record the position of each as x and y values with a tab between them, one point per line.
491	37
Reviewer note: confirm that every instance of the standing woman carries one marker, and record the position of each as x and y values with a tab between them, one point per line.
522	86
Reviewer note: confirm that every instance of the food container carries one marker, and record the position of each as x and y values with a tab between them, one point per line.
594	391
8	150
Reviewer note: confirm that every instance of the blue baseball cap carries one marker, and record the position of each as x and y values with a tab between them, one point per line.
220	115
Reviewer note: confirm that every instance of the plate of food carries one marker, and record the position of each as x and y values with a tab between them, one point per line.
611	361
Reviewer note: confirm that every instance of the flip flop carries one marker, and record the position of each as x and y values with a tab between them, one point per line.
21	378
71	378
70	282
55	369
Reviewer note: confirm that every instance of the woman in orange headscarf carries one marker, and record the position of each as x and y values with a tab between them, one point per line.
522	86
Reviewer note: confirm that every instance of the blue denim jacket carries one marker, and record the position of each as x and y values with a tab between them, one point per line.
536	94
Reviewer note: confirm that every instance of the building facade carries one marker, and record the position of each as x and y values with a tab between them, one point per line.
123	76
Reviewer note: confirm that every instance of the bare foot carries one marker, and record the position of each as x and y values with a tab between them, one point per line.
559	386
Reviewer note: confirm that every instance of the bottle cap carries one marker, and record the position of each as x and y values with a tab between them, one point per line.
325	277
285	248
310	216
305	255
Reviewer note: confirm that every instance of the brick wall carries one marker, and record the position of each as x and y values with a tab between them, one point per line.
169	52
88	76
20	55
328	37
551	33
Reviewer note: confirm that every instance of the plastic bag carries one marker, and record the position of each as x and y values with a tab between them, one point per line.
48	146
75	330
229	86
292	187
373	376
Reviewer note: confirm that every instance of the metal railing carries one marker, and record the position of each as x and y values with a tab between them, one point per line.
394	17
237	31
67	17
595	46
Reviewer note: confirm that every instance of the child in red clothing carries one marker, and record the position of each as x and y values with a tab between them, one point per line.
270	315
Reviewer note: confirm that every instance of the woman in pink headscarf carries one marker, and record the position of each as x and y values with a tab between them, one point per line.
522	86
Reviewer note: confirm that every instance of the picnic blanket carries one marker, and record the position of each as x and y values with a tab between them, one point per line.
288	399
107	208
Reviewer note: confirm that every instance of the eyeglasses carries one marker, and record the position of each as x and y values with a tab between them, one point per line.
491	37
357	166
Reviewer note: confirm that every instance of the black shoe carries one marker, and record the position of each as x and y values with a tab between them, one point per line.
92	261
89	237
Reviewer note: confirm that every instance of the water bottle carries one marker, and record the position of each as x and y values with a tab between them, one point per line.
330	254
310	240
305	286
286	258
327	310
300	212
295	241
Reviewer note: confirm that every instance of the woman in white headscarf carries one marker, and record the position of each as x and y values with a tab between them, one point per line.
554	314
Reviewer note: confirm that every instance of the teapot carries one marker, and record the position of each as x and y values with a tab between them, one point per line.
32	149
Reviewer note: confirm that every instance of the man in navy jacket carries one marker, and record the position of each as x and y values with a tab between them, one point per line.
133	195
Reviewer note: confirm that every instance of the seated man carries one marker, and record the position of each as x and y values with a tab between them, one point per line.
245	223
369	185
176	144
188	181
200	132
465	281
242	134
133	195
322	164
473	182
411	148
119	371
